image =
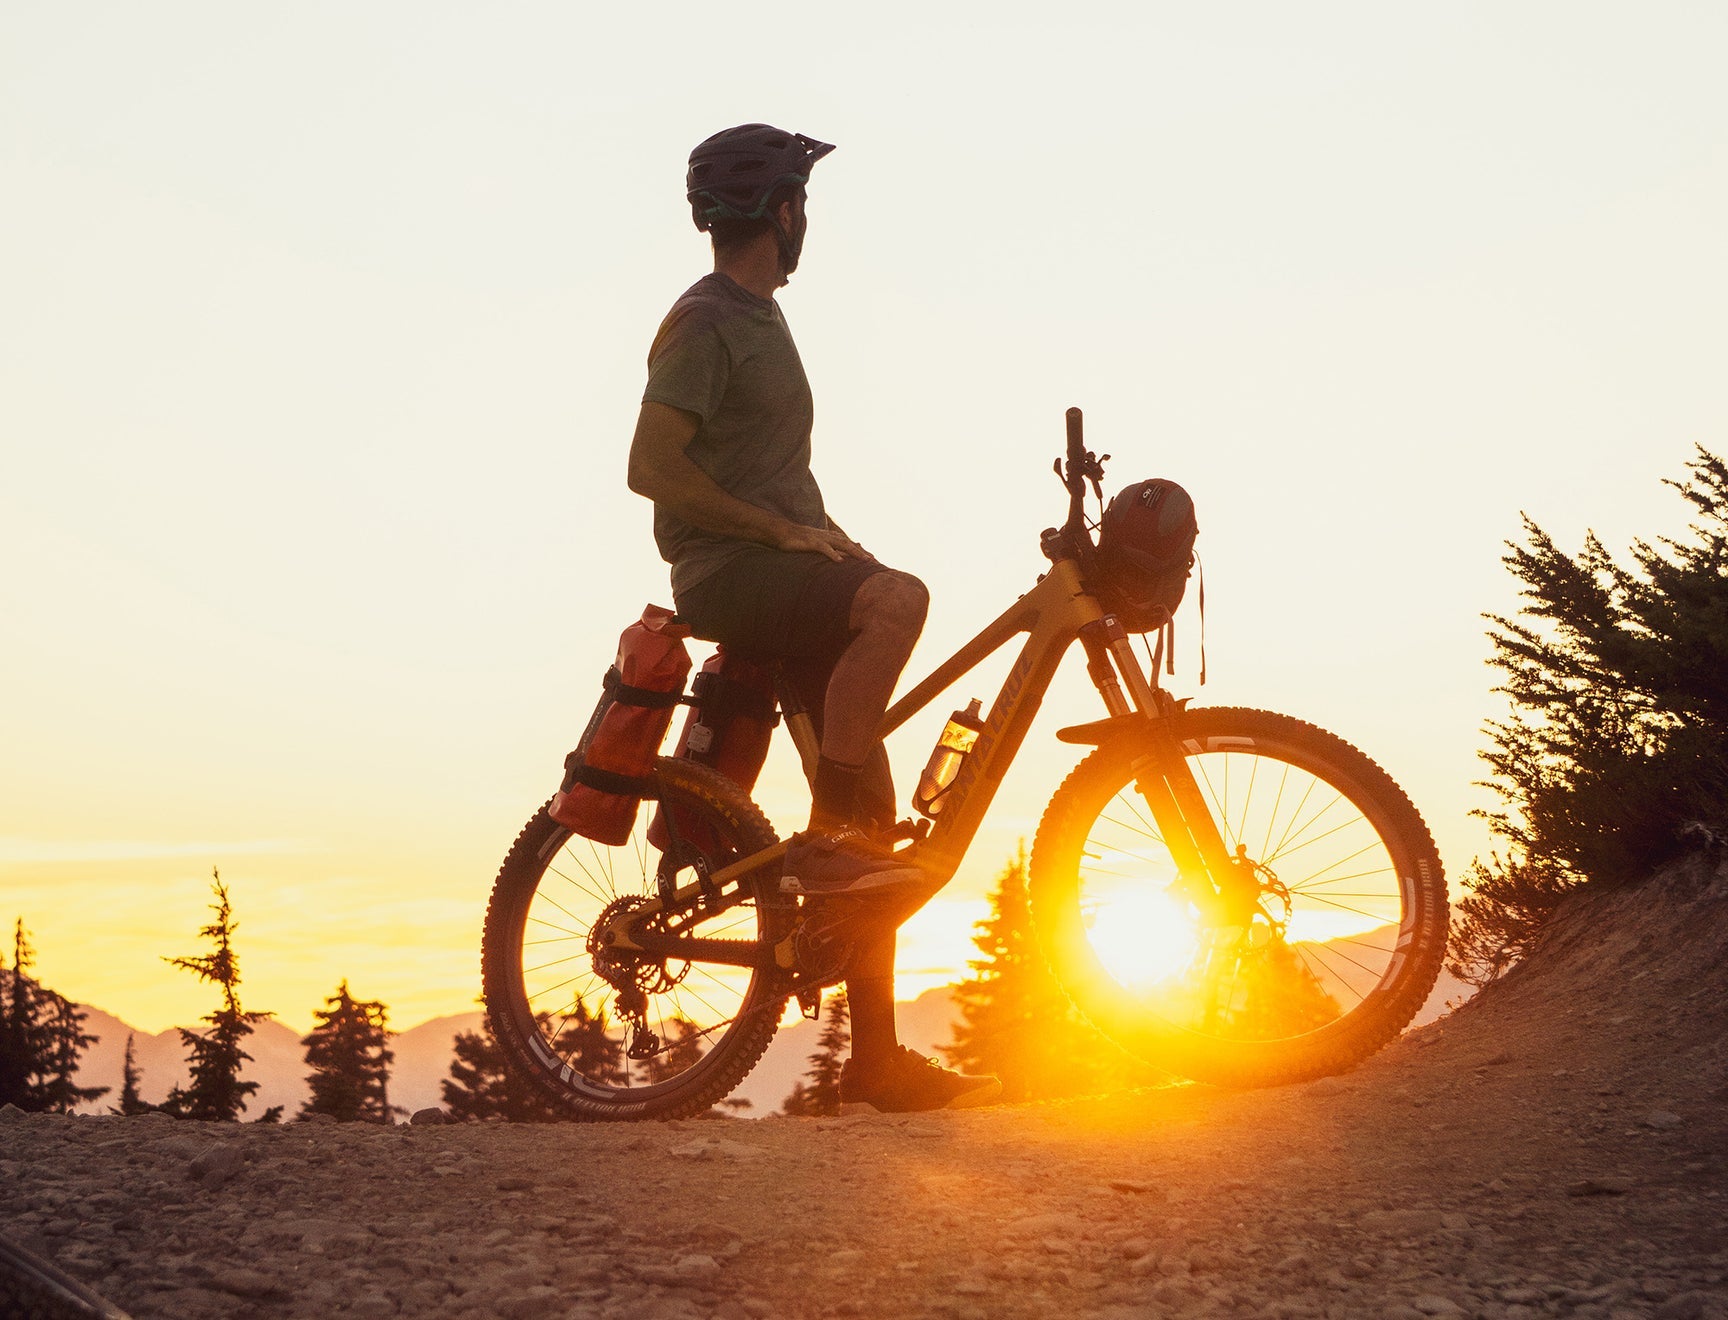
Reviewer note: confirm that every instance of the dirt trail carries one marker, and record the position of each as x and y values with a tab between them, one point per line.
1559	1147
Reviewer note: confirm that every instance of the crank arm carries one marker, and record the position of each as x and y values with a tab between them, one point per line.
682	948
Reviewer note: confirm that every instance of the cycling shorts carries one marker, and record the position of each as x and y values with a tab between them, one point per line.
776	604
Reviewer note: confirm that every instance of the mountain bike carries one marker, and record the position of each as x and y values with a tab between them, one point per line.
1232	895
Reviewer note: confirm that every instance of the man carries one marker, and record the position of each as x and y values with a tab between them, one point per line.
722	448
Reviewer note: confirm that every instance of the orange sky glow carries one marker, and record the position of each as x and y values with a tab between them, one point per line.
326	330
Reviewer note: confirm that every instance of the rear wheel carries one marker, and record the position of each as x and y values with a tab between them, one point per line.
605	1033
1335	951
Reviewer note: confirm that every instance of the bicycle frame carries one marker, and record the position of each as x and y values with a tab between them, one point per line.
1056	613
1053	615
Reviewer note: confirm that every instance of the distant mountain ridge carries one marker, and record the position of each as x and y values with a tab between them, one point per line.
423	1054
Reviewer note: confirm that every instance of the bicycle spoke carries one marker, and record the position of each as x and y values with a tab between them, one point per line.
600	895
1272	816
1247	795
1347	859
1295	847
1313	950
1345	907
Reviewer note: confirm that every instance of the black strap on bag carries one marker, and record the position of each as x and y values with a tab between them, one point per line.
1165	655
648	698
614	689
606	781
721	699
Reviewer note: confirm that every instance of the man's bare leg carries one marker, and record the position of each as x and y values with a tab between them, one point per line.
887	616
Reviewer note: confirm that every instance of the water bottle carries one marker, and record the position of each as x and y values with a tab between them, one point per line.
958	736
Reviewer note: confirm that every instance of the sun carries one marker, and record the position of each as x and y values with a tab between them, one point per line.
1141	933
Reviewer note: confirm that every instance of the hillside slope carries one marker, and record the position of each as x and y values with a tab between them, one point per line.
1558	1147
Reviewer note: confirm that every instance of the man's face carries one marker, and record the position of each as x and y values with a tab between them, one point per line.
794	222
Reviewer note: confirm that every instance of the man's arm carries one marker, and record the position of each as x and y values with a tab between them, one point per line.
663	472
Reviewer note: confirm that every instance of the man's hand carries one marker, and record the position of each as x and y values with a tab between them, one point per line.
824	541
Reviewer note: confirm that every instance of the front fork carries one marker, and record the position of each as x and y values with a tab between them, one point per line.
1225	889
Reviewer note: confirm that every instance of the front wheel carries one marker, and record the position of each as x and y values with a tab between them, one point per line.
605	1032
1335	952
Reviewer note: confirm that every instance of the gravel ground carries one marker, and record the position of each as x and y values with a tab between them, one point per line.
1559	1147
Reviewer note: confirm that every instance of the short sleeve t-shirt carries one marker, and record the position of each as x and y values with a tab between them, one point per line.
727	356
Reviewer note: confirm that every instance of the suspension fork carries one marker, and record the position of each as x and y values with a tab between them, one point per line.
1225	891
1209	876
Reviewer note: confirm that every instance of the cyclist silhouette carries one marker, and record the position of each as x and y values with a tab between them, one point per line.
722	448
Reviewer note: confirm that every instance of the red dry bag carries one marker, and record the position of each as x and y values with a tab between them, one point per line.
730	724
606	777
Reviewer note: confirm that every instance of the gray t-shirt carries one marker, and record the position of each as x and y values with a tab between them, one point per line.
727	356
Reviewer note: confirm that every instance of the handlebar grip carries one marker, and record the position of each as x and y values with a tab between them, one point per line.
1075	475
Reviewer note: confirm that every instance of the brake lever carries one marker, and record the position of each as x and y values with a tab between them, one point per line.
1096	473
1083	466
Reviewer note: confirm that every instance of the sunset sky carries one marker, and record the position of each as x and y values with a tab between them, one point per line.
324	331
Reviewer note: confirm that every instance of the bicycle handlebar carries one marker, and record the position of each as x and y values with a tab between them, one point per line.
1081	466
1075	475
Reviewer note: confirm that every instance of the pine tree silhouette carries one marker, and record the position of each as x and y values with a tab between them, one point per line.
482	1084
584	1039
681	1048
42	1037
350	1056
1615	752
817	1093
131	1102
215	1091
1015	1019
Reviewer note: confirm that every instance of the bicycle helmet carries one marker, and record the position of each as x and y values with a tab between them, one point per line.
1145	553
733	173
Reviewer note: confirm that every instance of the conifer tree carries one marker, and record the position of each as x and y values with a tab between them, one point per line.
42	1037
1615	749
215	1090
584	1038
482	1085
67	1041
817	1093
350	1057
131	1102
681	1048
20	1031
1015	1019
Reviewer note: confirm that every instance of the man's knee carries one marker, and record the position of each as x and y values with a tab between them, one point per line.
891	600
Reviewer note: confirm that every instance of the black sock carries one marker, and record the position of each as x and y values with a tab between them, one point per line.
870	1002
833	793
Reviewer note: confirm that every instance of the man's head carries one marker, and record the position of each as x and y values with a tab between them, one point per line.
747	181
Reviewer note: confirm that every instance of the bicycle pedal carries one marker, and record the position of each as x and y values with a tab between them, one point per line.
810	1001
904	831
